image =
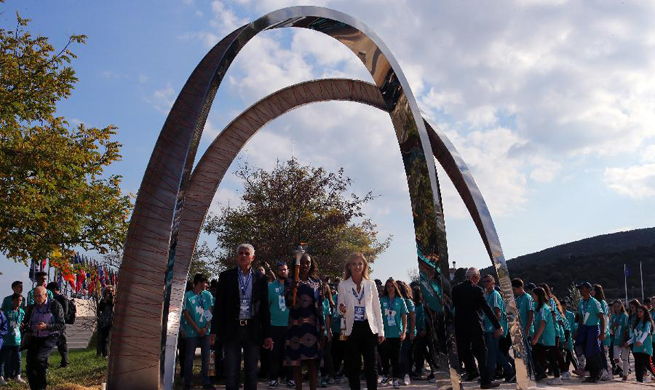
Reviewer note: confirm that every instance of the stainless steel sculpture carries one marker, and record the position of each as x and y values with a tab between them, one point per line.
166	202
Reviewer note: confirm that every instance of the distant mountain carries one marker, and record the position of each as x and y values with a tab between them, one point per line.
597	259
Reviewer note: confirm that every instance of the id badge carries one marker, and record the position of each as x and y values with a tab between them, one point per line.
244	310
359	313
586	317
208	315
391	318
282	303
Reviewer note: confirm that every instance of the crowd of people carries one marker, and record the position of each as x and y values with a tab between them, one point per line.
280	324
37	324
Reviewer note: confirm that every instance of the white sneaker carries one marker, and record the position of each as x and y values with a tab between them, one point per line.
2	381
19	379
396	384
555	381
605	376
566	375
647	379
406	380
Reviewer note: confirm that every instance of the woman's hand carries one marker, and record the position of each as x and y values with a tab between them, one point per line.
380	339
342	309
402	337
639	344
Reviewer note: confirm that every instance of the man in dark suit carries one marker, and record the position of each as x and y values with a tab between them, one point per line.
242	318
469	302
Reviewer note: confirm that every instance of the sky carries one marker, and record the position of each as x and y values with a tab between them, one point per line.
550	103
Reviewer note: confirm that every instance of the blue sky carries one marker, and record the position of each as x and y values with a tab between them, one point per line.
551	103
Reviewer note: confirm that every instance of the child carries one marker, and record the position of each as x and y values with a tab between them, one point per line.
642	340
394	316
543	343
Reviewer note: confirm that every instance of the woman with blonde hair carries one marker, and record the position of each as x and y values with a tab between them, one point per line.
359	304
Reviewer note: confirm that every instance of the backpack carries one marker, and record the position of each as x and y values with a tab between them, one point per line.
69	316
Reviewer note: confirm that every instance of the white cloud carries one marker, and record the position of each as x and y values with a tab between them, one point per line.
637	182
162	99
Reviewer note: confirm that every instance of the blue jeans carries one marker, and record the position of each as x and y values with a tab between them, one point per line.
205	347
494	355
232	361
10	361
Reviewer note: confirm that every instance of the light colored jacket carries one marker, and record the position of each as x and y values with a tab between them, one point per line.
371	302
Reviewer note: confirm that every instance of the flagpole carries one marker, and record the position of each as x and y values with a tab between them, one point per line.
625	279
641	273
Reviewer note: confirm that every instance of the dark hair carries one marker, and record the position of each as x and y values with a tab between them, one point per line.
280	264
635	303
378	282
517	283
52	286
199	278
620	303
647	318
550	294
15	296
598	292
313	268
40	273
542	299
395	286
327	294
189	286
16	283
418	295
406	290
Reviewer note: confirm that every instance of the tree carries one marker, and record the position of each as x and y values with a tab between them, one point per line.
53	191
293	204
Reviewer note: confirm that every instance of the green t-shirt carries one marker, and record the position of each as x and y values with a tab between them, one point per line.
392	312
525	305
198	308
618	324
545	314
30	296
277	304
639	332
495	301
590	310
14	319
7	303
411	308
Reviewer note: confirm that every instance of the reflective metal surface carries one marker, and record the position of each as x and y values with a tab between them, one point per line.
138	340
214	163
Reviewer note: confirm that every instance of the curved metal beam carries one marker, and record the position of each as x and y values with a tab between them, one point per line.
140	321
215	162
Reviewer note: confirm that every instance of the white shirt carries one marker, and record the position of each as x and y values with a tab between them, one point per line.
371	302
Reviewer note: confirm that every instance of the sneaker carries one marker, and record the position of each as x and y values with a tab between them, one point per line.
291	383
647	379
472	376
511	379
566	375
605	376
273	384
406	380
590	379
331	381
431	378
383	380
19	379
323	383
540	378
396	384
555	381
2	381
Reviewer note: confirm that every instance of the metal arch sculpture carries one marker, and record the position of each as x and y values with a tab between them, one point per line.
213	165
139	325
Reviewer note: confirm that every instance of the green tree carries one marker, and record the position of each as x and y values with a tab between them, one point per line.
293	204
53	193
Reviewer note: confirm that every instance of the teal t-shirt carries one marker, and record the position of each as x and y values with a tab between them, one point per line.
570	317
326	312
392	312
545	314
420	318
7	303
411	308
277	304
525	305
14	319
618	324
198	307
495	301
30	296
606	311
336	317
647	345
590	311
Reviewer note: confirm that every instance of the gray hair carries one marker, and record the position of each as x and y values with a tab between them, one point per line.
472	272
247	246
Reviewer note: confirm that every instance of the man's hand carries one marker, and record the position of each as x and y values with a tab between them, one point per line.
380	339
498	332
212	339
268	343
202	332
41	326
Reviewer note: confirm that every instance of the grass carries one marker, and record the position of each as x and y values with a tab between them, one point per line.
85	371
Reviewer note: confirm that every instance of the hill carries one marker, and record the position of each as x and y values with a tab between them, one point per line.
597	259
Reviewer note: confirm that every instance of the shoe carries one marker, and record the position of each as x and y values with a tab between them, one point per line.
273	384
555	381
579	372
291	383
490	385
511	379
383	380
605	376
625	378
431	378
540	378
471	376
406	380
591	379
396	384
323	383
2	381
566	375
19	379
647	379
208	386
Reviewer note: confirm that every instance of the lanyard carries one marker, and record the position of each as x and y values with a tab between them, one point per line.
392	303
585	305
200	300
360	296
244	282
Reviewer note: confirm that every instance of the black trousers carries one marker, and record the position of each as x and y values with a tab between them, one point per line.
62	347
642	363
390	355
338	349
546	357
361	343
327	365
103	341
37	361
181	353
276	356
470	343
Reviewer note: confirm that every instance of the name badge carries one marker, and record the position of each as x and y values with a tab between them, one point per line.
586	317
208	315
282	303
359	313
244	310
391	317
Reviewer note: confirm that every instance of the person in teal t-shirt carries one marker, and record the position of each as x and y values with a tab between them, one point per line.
525	306
543	343
494	353
327	366
620	334
642	341
41	281
279	322
589	336
10	358
394	316
197	309
17	288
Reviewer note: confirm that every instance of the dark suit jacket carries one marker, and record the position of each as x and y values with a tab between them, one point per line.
225	322
469	303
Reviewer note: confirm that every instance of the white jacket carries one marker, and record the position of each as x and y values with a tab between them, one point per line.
371	302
